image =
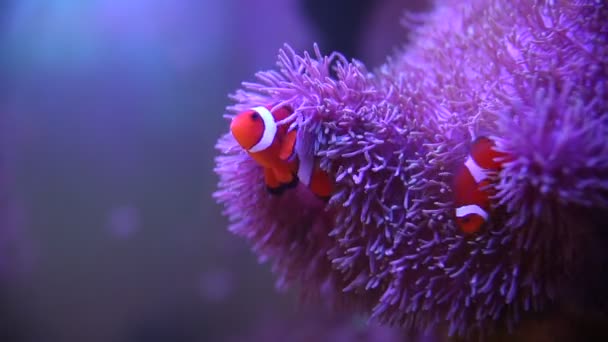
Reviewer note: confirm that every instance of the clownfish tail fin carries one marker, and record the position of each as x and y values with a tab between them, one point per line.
321	184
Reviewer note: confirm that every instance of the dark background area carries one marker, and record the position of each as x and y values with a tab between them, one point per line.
109	112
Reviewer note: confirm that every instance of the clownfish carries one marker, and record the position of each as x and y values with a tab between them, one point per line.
471	181
272	146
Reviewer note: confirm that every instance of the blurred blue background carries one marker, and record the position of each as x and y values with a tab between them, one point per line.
109	112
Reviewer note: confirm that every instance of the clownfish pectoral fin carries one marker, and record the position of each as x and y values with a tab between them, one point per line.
288	145
273	186
321	184
286	178
294	182
283	174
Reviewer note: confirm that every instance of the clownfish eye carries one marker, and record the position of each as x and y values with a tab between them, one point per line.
255	116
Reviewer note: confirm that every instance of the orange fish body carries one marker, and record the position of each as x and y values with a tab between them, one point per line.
471	185
273	147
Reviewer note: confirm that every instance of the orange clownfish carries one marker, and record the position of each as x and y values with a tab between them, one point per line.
472	197
273	147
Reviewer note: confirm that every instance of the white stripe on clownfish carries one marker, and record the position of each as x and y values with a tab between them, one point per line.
270	129
476	171
471	209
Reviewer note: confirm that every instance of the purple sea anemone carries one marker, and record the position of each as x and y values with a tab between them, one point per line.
530	74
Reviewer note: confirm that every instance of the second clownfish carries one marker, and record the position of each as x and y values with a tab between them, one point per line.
471	185
272	146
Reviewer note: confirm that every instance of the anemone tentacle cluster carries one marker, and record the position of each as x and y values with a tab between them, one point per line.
531	74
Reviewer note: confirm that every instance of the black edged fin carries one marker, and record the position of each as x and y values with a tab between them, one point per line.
275	191
284	186
294	182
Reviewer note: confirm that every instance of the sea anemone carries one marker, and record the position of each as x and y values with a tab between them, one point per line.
532	75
